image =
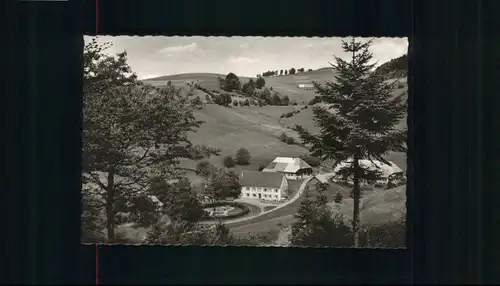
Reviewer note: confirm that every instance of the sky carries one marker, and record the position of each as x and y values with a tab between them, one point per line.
245	56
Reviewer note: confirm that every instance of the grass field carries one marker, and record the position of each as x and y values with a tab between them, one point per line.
377	207
268	208
256	128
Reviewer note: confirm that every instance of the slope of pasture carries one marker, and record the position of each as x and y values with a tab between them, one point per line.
209	81
377	207
305	119
288	84
284	85
230	128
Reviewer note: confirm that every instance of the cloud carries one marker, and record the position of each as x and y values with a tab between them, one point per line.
179	49
242	60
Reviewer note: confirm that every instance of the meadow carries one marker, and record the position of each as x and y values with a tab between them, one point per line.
252	127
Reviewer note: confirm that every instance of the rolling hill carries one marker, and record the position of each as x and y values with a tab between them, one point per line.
255	128
284	85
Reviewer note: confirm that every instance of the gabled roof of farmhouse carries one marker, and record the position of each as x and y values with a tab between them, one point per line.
373	165
261	179
286	164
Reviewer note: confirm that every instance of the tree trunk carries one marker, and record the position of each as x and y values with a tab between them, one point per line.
110	212
356	202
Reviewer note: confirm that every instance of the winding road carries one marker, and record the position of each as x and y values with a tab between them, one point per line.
276	212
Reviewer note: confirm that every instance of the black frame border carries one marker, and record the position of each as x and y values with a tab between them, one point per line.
446	236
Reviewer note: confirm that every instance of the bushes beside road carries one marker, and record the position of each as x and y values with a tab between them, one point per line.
244	210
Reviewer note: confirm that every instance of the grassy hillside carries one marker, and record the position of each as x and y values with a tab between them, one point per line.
284	85
256	128
377	207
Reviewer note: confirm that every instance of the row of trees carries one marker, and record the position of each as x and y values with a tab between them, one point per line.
232	83
261	99
253	89
242	158
282	72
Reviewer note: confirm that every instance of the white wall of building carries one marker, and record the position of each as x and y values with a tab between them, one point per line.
274	194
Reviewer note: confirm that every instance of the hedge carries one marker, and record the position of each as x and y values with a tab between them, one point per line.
244	210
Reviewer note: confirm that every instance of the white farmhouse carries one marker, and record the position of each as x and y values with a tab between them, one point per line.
293	168
262	185
306	86
388	172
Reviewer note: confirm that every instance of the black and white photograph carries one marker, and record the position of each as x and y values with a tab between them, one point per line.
245	141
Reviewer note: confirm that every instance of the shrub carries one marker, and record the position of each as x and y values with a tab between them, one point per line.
248	88
290	141
311	160
275	100
294	103
207	98
314	101
283	137
285	100
244	209
204	169
338	198
223	99
391	234
246	102
232	82
198	156
265	95
228	161
242	156
260	82
235	103
287	115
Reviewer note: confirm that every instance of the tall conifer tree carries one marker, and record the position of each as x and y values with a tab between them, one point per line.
357	114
